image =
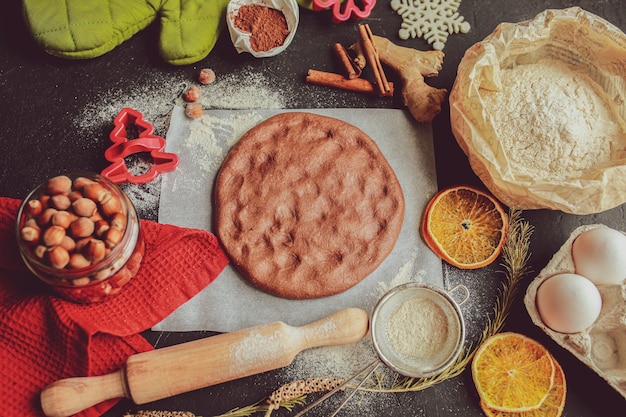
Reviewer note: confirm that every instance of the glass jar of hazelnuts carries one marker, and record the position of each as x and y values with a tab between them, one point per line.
80	234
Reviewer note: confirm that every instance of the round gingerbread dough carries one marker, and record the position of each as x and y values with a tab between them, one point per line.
306	206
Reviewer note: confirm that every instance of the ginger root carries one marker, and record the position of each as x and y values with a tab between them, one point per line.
412	65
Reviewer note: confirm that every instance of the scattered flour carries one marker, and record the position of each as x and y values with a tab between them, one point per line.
553	122
245	89
211	137
155	99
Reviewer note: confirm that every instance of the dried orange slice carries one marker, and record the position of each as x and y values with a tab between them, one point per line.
513	373
552	406
465	226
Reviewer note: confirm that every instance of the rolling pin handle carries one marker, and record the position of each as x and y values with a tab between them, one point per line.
69	396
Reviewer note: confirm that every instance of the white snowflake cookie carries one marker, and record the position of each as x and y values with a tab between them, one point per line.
432	19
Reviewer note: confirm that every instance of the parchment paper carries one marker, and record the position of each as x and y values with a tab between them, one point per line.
230	303
589	45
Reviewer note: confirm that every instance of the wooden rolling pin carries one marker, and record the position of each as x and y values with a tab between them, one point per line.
161	373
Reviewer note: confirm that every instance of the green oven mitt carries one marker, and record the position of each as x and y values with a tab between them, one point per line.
87	29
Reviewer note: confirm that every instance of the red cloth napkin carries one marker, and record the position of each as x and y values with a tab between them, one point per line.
44	338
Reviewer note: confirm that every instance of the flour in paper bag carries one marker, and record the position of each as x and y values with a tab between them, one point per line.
553	122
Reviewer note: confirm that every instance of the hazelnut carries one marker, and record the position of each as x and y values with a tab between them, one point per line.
40	251
84	207
75	195
192	94
32	223
45	200
95	250
118	221
61	184
111	206
80	182
78	261
45	217
102	275
101	227
79	282
81	227
206	76
94	191
113	237
58	257
34	208
194	110
122	277
81	243
61	219
53	236
30	234
60	201
68	244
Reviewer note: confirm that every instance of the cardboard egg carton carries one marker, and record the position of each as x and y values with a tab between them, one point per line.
602	346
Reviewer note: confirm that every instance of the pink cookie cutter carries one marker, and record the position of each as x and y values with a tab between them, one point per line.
145	141
349	10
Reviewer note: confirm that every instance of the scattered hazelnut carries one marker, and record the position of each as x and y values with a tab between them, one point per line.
194	110
192	94
206	76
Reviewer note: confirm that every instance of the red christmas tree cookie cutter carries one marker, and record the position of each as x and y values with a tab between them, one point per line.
145	141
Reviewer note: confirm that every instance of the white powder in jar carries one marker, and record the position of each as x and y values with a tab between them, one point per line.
418	328
553	123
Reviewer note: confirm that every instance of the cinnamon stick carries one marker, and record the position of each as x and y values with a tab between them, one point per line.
371	55
349	67
359	85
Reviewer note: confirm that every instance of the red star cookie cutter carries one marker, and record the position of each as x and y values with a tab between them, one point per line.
349	10
145	141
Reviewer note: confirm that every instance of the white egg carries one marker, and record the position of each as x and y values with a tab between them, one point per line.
600	255
568	303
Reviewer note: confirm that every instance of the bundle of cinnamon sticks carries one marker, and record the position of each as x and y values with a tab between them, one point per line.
366	54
